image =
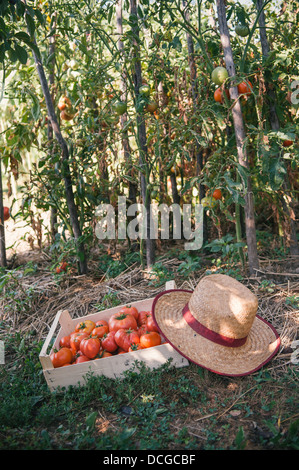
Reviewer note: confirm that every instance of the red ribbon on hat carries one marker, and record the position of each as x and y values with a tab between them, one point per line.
210	334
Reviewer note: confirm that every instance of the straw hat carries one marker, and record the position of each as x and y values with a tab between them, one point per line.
216	326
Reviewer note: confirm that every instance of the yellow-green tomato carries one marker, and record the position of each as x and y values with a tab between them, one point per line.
208	202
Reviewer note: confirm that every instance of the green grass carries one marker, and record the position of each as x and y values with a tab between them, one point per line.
156	410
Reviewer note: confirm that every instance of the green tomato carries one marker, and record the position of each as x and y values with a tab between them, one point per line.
242	30
145	90
208	202
219	75
120	107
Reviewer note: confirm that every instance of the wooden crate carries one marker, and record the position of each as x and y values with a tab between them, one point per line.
113	366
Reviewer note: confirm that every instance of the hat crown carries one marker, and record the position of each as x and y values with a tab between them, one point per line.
224	305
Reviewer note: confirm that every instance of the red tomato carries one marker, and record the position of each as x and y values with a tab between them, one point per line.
217	194
100	329
218	95
108	342
81	358
121	351
61	357
135	347
150	339
90	346
75	340
85	326
124	338
245	88
6	213
131	310
142	317
63	266
64	102
122	320
142	330
287	143
65	342
102	354
102	323
151	325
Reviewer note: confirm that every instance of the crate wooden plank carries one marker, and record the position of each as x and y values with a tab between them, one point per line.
112	367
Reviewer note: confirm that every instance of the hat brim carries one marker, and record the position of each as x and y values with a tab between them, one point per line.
261	345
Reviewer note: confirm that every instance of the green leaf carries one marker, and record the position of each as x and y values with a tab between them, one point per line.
22	36
277	172
2	52
39	16
91	420
30	25
21	53
110	13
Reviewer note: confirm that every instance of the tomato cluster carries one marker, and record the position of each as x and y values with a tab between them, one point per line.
244	88
126	331
62	267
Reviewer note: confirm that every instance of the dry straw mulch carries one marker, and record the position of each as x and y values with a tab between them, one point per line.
276	289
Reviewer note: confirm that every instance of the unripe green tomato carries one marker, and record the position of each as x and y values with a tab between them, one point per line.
242	30
145	90
120	107
219	75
